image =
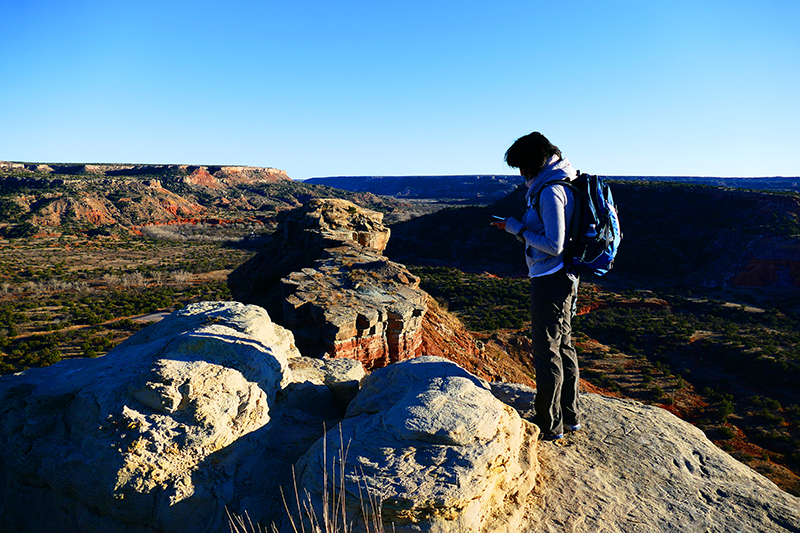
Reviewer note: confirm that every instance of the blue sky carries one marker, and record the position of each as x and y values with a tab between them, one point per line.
327	88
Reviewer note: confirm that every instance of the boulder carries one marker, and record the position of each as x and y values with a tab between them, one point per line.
125	442
433	449
341	378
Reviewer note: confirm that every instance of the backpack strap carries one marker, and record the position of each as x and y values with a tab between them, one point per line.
537	195
575	221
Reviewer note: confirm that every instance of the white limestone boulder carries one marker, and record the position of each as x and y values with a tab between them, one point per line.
435	449
125	440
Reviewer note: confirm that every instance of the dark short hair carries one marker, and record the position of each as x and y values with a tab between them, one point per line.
531	152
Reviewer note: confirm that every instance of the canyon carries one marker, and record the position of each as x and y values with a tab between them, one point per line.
332	274
215	408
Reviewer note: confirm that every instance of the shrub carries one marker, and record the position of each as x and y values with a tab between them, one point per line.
19	231
658	392
725	409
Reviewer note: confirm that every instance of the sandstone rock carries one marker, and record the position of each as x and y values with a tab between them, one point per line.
301	237
354	303
122	442
92	209
314	399
201	177
324	278
638	468
773	262
443	335
211	407
126	196
341	377
433	446
236	175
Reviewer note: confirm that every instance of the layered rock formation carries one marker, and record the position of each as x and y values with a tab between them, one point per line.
210	409
154	204
324	276
72	197
228	175
774	262
326	279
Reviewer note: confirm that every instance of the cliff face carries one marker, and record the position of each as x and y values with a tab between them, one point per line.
129	195
144	202
227	174
772	262
76	197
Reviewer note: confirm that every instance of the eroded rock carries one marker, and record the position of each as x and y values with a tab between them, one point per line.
126	439
435	449
324	275
210	409
636	468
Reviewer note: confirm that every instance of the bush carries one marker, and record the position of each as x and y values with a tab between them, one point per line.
19	231
725	409
658	392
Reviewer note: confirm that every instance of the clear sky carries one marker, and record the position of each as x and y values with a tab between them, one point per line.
385	87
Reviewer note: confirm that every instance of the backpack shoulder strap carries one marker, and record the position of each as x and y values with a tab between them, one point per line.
574	222
537	195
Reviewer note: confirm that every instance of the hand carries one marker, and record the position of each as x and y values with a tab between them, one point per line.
500	224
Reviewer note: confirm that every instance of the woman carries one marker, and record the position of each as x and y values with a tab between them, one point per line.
554	288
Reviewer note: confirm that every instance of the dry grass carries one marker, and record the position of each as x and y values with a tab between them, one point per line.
329	516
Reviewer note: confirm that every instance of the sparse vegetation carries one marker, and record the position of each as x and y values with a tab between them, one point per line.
69	296
483	303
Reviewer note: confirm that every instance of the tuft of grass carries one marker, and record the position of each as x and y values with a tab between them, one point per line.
332	517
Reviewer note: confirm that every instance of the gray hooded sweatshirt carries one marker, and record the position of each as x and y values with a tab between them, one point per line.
545	234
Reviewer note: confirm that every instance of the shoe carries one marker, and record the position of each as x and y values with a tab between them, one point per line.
575	427
553	436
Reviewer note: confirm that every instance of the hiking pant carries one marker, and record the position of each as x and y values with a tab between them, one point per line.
553	304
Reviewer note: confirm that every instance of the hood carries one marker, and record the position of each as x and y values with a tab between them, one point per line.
555	169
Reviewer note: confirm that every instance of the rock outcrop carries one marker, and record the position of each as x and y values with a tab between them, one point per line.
772	263
638	468
210	408
325	278
434	449
125	442
153	204
72	197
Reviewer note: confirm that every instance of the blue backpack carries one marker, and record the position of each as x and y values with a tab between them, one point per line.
595	233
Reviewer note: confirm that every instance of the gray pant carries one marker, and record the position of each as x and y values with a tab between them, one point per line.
553	302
